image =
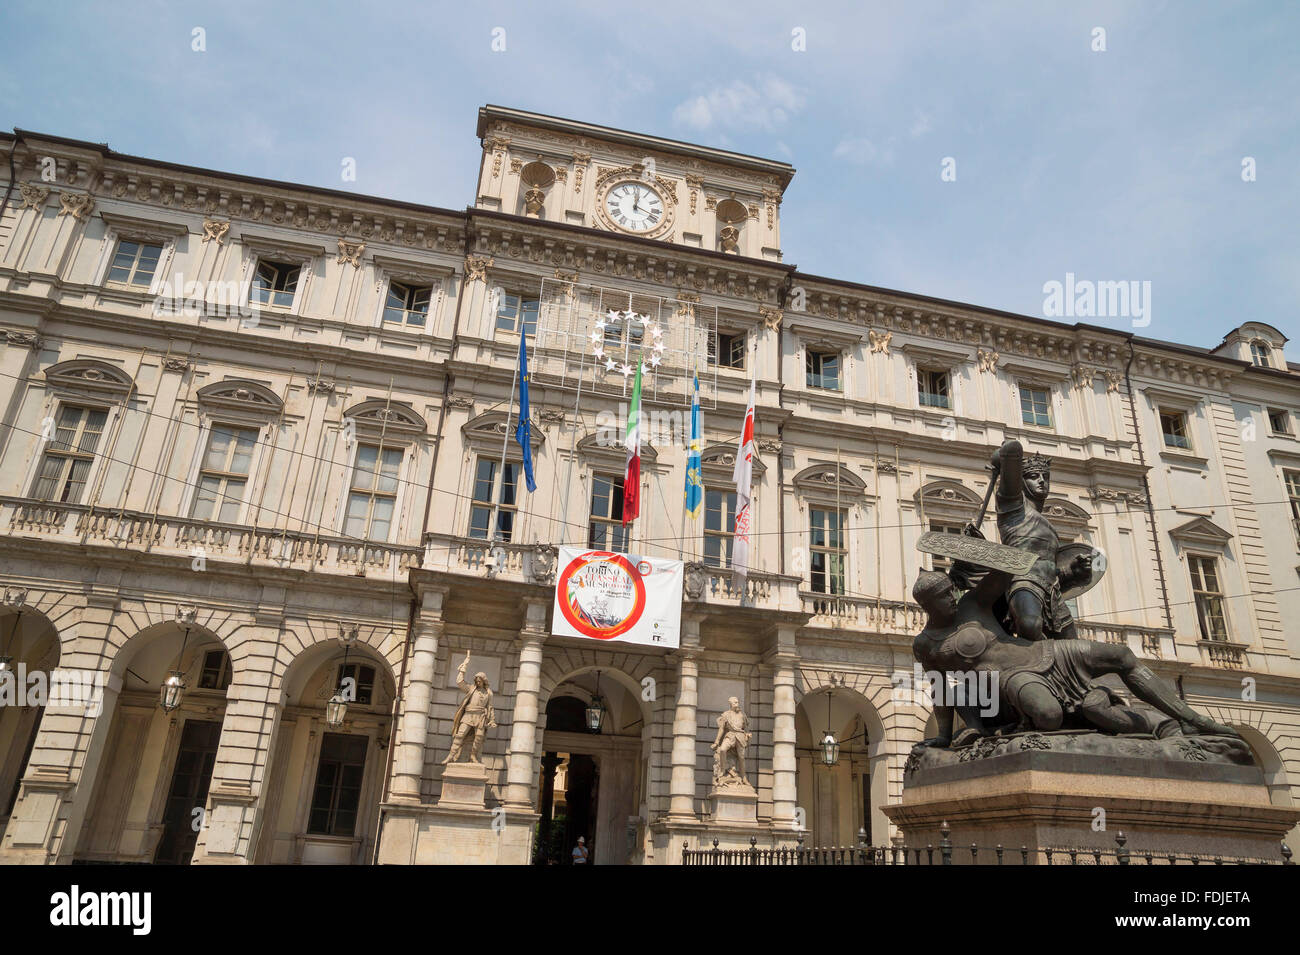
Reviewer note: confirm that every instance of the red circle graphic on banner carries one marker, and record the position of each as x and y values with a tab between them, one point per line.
595	616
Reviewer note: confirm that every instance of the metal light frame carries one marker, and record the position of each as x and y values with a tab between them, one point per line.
336	710
596	709
172	691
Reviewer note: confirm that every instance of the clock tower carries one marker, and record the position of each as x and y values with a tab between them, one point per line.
630	184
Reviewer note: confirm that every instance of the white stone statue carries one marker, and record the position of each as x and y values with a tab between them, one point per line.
474	717
729	746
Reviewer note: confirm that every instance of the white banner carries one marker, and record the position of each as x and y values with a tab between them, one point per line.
618	597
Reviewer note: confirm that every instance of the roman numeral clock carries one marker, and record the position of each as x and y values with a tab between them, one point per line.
627	202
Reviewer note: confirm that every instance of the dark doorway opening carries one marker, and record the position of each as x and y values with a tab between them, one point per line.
189	791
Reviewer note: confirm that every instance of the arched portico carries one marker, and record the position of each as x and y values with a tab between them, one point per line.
29	645
593	784
841	800
325	781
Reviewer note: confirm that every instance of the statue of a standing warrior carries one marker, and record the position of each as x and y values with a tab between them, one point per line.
733	737
1036	606
473	716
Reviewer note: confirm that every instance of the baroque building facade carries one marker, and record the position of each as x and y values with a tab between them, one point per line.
259	435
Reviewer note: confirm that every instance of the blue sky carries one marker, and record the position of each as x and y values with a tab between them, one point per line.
1116	165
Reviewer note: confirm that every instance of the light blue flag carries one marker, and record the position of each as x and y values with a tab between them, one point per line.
694	482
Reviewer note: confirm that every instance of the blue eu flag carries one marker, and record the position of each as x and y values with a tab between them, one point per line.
525	417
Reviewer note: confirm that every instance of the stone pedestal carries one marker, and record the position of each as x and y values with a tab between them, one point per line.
439	835
734	805
463	786
1018	794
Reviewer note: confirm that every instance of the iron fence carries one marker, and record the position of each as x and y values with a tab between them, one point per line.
947	853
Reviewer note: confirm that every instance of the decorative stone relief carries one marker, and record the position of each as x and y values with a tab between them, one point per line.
771	317
1113	379
23	339
476	267
321	386
215	230
988	360
1082	375
34	196
76	204
177	364
350	252
879	341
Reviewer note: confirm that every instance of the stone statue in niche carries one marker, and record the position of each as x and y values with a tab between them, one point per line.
729	746
474	717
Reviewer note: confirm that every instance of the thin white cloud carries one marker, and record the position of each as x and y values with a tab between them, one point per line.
765	103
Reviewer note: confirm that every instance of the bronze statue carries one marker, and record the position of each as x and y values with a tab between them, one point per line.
1042	684
1037	609
473	717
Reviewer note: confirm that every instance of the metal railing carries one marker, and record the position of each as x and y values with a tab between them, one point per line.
947	853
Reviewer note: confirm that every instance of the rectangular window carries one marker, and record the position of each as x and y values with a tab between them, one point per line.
514	309
726	350
606	530
1292	479
1035	406
224	474
719	526
485	498
943	564
373	495
66	463
623	332
1173	425
275	284
823	370
826	537
337	793
363	681
1279	421
1209	598
216	670
932	388
407	304
134	263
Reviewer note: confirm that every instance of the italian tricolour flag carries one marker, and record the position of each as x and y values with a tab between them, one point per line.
632	480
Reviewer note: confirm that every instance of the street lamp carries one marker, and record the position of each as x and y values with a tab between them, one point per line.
596	709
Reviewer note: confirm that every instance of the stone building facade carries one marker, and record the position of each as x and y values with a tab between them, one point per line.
253	433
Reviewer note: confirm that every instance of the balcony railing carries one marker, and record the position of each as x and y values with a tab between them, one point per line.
211	540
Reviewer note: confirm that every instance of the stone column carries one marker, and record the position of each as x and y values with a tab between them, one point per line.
784	662
681	790
523	736
408	767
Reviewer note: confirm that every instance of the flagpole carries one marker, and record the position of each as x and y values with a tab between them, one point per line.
505	442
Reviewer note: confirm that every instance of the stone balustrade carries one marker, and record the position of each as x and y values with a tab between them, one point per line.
211	540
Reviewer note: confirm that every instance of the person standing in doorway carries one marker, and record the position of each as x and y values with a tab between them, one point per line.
580	851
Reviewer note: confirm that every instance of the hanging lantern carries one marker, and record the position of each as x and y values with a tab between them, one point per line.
830	745
830	749
336	709
173	689
596	709
6	665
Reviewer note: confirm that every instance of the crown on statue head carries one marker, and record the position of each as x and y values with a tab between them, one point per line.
1036	464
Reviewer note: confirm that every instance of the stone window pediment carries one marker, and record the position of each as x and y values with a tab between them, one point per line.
817	338
598	447
241	396
143	229
392	419
719	462
1043	376
1201	532
89	376
935	355
948	499
823	481
484	434
410	270
1069	519
278	249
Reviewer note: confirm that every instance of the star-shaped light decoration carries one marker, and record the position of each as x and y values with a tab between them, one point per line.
654	361
609	364
626	369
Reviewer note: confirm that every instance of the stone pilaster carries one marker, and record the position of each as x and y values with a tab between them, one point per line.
784	793
681	805
408	767
520	770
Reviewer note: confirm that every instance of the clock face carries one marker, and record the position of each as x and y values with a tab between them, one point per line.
634	206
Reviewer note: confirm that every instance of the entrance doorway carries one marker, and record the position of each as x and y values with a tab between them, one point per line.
189	791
